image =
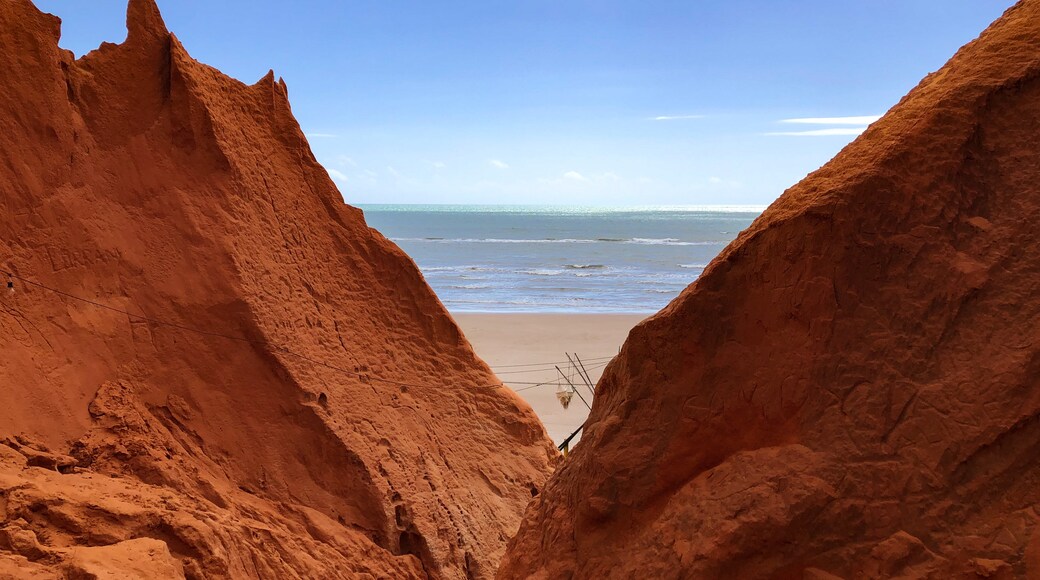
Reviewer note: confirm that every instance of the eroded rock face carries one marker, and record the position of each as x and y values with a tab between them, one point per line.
852	389
143	180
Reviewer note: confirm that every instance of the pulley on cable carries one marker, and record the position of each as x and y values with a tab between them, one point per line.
564	394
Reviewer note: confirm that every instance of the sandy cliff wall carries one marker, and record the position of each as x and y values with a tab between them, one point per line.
145	181
852	389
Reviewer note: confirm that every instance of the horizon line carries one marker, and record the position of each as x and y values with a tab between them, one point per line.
692	206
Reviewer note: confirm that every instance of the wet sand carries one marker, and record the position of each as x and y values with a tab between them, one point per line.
506	340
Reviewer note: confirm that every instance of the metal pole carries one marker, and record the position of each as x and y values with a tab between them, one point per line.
565	446
584	379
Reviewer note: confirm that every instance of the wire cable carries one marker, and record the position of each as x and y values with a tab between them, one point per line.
533	385
550	364
537	370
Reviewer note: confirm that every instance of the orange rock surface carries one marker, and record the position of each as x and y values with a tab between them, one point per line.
147	182
852	388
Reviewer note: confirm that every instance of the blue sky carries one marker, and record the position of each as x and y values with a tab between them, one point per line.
567	101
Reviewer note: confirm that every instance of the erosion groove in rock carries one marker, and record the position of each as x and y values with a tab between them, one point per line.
141	179
852	388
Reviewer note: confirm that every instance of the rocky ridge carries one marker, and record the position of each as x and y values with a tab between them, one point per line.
287	397
852	388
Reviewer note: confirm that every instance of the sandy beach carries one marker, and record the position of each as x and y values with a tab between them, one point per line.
508	340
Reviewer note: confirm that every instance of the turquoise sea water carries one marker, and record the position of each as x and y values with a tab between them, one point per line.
557	258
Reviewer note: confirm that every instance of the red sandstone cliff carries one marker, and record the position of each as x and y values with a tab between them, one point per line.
146	181
852	389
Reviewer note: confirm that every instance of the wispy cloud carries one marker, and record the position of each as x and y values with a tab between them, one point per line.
835	131
436	164
337	175
860	120
345	160
399	178
715	183
321	135
675	117
575	176
498	164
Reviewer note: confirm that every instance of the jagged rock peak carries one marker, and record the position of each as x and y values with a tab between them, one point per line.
147	180
267	79
144	20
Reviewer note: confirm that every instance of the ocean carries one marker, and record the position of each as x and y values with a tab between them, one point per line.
483	258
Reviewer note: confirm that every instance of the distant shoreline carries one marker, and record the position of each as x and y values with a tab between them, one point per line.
559	259
549	208
634	313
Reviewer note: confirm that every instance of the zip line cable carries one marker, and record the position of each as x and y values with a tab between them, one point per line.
549	364
538	370
263	343
552	381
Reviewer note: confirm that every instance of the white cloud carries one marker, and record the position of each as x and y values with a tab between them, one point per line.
572	177
437	164
344	160
321	135
337	175
715	183
861	120
821	132
675	117
498	164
